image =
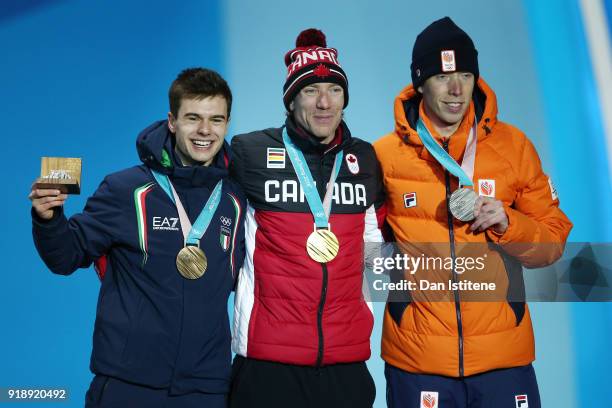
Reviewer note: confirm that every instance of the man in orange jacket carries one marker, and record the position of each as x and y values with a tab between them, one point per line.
458	177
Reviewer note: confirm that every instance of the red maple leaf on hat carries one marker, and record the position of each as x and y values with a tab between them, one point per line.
321	71
352	159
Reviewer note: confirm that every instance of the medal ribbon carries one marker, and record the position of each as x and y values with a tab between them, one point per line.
198	229
319	210
465	172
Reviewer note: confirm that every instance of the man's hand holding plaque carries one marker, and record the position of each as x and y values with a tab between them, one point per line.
59	176
60	173
45	200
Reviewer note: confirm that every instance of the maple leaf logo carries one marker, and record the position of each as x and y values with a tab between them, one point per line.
351	159
321	71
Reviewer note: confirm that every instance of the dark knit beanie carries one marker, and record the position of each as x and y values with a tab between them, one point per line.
312	61
442	47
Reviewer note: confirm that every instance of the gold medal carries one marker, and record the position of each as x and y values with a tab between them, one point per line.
191	262
322	245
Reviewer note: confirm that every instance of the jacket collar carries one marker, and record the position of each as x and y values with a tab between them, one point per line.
406	110
308	143
155	146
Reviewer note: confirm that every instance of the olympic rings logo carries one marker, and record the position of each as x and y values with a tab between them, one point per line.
226	221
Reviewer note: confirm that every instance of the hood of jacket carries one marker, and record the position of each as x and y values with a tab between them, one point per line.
155	146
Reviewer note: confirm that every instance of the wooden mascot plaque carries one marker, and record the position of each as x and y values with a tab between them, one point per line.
62	173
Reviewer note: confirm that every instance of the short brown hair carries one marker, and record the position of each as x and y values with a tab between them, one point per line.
198	83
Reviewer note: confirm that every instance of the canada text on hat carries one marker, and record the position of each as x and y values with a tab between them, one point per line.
312	61
301	57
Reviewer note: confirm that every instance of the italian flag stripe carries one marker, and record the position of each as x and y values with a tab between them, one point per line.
140	195
238	211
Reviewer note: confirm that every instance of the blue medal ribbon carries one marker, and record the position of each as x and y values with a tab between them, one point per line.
307	182
198	229
441	155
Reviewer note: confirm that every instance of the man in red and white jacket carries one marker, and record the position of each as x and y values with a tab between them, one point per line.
302	325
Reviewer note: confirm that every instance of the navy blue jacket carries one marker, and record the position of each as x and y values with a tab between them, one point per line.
154	327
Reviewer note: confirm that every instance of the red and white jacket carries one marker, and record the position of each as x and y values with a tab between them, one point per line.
288	307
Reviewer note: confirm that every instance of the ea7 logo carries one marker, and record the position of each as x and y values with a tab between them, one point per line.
520	401
165	223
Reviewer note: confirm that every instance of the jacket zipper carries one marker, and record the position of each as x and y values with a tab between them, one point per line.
320	315
323	289
451	234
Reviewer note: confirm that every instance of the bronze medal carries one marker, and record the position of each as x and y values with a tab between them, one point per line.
462	203
322	245
191	262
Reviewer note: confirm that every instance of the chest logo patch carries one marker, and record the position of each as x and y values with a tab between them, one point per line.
352	163
276	158
486	188
225	234
165	224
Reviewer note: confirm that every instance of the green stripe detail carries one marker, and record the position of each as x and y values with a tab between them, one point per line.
140	210
165	159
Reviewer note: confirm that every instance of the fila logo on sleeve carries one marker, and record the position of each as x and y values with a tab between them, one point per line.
429	399
410	200
520	401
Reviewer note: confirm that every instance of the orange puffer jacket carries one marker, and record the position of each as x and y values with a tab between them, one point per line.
456	337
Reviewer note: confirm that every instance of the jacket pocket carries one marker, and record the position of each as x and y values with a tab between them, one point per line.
397	310
516	286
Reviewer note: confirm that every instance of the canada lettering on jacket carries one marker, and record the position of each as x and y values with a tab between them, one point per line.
290	191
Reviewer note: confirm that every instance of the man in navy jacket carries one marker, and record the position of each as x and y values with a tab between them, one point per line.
161	336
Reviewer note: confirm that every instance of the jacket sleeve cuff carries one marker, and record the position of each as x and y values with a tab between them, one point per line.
510	234
521	229
58	216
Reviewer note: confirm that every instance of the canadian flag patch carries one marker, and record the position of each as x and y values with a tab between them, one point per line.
352	163
429	399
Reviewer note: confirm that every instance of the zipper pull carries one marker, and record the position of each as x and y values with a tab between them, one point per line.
445	143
